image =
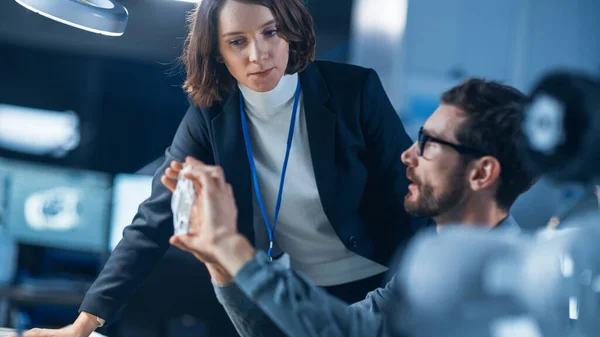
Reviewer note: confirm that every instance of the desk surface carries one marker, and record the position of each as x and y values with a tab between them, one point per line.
27	295
5	332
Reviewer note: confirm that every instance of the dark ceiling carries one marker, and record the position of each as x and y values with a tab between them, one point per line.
155	31
123	88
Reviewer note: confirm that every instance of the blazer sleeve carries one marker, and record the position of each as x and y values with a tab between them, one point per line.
145	240
386	139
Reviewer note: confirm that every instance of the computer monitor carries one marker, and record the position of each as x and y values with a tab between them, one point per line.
3	200
56	207
8	259
129	191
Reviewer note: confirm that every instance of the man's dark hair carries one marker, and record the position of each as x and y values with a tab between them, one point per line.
494	116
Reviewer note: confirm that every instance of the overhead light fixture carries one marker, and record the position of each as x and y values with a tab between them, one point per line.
105	17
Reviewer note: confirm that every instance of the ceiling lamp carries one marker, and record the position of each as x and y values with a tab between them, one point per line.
105	17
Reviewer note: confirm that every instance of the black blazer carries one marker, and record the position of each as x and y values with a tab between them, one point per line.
356	139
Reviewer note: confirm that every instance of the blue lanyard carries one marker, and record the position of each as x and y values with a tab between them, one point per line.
253	166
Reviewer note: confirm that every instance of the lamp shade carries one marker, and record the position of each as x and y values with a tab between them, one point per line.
104	17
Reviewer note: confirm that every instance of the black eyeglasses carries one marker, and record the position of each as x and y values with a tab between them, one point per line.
465	150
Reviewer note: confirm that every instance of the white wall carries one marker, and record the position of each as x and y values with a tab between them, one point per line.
513	41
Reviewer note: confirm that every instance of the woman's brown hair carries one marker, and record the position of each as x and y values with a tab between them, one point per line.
207	78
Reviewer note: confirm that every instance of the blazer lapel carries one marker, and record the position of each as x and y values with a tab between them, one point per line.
320	122
230	153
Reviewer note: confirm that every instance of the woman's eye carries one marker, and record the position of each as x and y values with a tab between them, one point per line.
237	42
271	32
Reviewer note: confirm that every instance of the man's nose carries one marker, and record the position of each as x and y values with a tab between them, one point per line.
409	157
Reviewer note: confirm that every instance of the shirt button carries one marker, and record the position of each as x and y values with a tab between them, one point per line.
352	241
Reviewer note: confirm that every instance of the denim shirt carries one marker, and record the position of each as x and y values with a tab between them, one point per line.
267	298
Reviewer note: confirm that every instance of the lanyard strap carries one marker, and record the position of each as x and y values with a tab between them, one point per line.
253	166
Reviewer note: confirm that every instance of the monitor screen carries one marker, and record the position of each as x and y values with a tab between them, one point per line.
129	191
56	207
3	201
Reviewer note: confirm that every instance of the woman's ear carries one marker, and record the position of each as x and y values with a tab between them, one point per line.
219	59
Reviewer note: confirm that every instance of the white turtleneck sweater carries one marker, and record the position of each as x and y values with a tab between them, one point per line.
303	230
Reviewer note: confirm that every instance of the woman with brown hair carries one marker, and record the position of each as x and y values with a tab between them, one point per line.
271	117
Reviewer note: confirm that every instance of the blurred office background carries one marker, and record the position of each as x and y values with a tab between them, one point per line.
84	118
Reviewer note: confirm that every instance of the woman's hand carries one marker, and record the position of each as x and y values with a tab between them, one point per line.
169	178
83	326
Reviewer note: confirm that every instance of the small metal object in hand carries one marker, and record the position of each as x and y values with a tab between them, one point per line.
182	202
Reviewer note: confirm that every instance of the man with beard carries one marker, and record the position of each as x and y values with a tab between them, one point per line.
464	169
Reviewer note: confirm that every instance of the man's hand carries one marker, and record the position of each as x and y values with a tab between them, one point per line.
218	274
214	215
213	236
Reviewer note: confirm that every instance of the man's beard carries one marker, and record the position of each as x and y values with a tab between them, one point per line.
428	205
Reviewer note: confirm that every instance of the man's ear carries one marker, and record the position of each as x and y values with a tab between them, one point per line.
485	172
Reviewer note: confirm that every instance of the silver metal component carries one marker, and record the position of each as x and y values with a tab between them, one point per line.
182	202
